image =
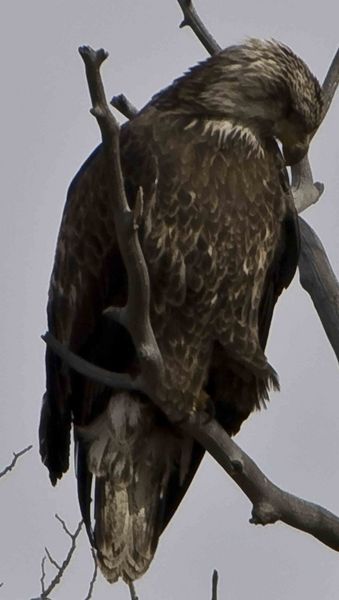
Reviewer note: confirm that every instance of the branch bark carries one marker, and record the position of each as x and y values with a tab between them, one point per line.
192	19
318	279
45	591
16	456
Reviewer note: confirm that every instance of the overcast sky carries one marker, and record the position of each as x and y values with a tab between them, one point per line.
46	133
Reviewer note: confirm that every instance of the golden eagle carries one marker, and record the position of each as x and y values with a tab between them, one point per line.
219	233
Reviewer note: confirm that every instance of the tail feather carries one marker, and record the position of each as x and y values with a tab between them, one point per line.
131	457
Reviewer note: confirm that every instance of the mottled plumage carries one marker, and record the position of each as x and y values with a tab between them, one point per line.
220	238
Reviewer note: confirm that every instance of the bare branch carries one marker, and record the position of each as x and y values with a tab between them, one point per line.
43	575
270	503
45	592
215	578
51	560
132	591
135	315
16	456
123	105
318	279
192	19
331	83
94	577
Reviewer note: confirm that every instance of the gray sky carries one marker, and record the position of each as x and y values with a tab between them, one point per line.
46	133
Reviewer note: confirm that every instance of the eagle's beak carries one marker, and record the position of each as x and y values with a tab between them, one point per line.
295	153
295	150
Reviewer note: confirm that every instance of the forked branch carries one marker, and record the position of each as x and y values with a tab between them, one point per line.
16	456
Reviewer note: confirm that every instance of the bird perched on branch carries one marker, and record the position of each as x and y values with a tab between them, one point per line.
220	237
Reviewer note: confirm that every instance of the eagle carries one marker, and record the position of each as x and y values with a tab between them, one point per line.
219	233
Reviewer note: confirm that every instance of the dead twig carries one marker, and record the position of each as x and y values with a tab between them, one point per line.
60	569
16	456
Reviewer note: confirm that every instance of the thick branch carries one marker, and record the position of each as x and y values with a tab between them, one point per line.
82	366
192	19
270	503
16	456
318	279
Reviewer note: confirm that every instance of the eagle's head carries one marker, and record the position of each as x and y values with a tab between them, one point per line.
260	85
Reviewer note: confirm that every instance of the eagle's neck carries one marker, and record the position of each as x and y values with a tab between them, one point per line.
223	96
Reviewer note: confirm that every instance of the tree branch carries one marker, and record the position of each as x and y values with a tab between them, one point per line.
45	592
16	456
318	279
94	577
192	20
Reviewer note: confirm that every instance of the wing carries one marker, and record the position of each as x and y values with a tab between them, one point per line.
235	396
88	274
284	263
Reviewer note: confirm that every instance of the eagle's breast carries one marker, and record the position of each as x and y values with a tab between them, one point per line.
212	220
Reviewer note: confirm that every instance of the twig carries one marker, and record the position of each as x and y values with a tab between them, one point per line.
215	578
45	592
132	591
16	456
192	20
123	105
318	279
93	580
